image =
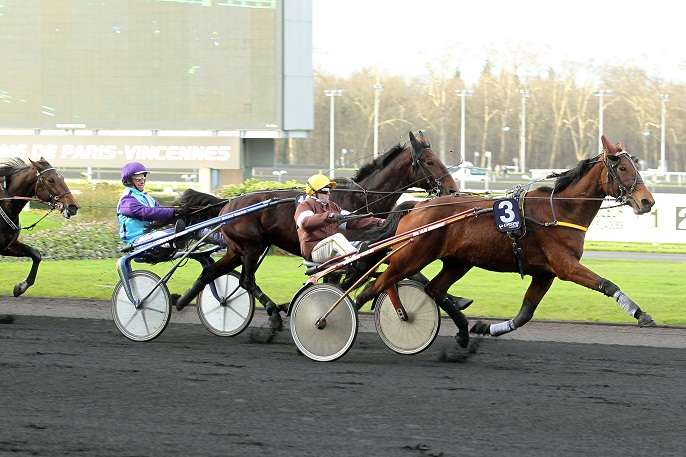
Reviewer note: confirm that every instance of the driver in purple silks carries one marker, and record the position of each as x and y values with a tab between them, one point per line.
137	210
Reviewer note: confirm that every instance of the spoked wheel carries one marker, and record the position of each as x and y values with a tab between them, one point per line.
415	334
148	321
233	313
336	338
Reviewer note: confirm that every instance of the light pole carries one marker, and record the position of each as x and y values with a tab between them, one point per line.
663	164
332	159
522	131
487	154
601	93
462	93
377	89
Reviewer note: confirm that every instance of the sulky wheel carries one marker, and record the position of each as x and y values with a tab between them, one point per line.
233	313
415	334
337	336
149	320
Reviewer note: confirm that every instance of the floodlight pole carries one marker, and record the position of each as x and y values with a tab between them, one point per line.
377	89
522	131
462	94
663	164
601	93
332	159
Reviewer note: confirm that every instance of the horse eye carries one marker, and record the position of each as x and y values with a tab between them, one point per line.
622	168
430	163
51	181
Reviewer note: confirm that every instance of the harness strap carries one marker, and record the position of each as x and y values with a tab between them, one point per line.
7	219
569	224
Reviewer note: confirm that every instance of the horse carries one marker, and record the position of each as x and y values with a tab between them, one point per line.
21	182
375	189
549	244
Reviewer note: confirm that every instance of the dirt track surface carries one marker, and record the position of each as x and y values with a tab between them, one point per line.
76	386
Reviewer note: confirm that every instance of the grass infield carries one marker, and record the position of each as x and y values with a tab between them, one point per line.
657	287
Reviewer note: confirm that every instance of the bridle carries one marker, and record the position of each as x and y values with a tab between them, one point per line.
613	176
53	199
433	183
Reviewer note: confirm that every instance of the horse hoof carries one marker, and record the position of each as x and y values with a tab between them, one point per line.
276	322
645	320
20	288
177	302
463	303
481	328
462	339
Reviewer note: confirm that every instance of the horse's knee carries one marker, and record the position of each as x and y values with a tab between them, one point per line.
33	253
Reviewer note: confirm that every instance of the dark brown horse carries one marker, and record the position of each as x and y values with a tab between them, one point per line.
22	183
375	189
551	242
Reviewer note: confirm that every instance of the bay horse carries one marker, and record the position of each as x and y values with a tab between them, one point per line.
375	189
38	181
555	220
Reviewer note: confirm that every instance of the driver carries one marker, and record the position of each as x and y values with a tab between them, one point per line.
137	210
318	221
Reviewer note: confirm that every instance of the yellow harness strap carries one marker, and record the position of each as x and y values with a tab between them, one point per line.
564	224
575	226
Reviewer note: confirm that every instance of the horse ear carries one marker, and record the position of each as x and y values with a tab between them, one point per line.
420	134
621	145
608	148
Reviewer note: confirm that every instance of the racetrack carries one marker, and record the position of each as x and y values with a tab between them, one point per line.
76	386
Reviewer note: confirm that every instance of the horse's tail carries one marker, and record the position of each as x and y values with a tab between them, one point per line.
374	235
200	206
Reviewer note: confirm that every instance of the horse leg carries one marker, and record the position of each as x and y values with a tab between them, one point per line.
247	281
18	249
460	303
209	273
587	278
534	294
437	288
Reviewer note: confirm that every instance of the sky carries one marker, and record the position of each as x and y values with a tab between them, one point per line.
400	37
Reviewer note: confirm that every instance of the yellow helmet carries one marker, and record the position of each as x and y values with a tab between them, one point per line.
317	182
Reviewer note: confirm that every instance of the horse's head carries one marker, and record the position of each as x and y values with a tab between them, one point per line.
427	169
624	182
51	188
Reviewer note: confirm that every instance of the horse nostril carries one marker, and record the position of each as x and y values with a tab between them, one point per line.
647	203
72	209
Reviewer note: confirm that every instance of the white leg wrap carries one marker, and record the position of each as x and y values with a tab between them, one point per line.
625	302
502	328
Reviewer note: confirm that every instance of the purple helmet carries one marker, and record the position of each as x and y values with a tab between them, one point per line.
131	169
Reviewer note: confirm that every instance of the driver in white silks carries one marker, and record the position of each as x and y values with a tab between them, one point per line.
318	221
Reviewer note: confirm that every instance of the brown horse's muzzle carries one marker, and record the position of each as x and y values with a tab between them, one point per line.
642	201
644	206
67	209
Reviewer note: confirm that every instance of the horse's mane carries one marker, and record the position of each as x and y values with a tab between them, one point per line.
195	199
567	178
377	164
11	165
202	206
